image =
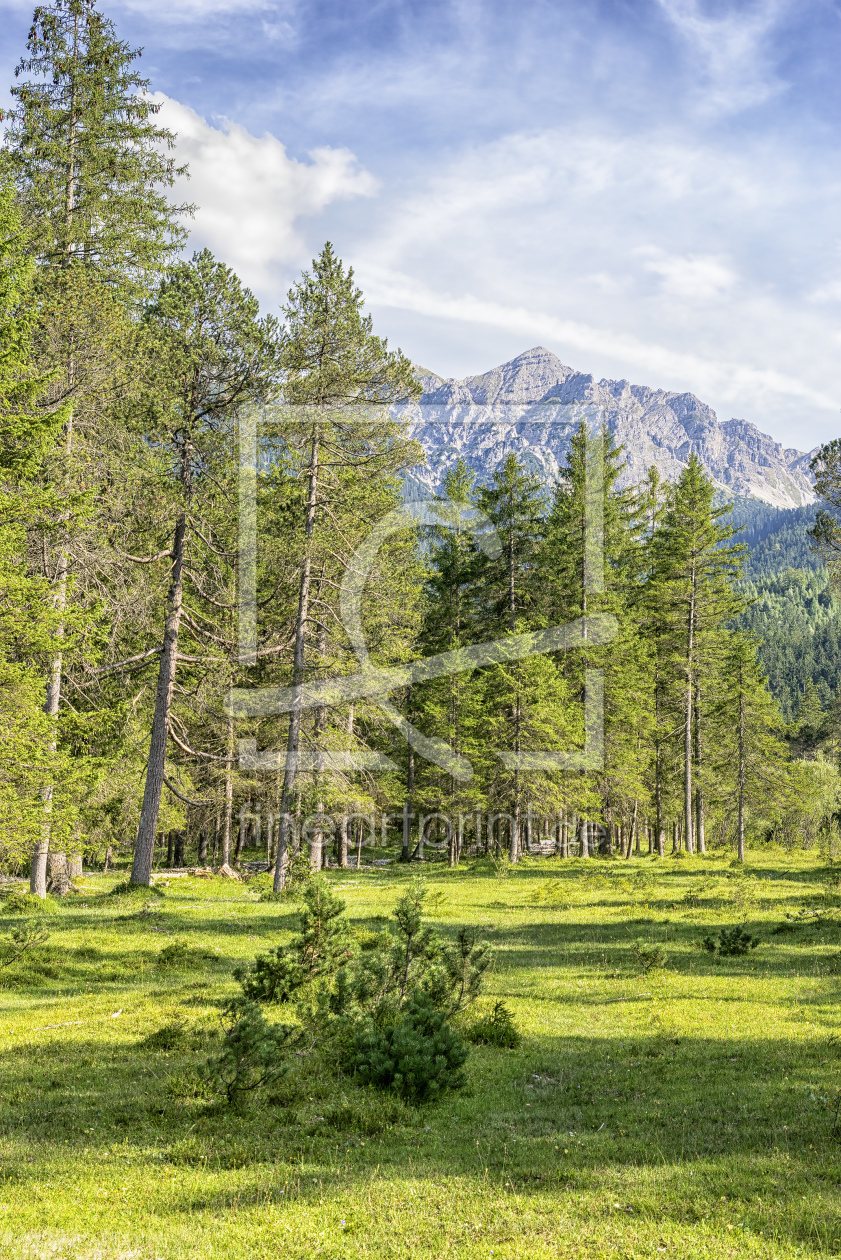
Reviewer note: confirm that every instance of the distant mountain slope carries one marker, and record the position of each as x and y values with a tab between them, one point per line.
529	406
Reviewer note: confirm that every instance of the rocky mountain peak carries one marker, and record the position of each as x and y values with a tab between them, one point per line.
528	406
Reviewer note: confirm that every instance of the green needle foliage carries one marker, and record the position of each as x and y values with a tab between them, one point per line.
252	1055
419	1057
86	152
732	942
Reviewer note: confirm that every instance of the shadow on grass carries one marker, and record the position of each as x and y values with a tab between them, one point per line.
752	1118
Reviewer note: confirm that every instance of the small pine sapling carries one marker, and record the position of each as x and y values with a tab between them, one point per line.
272	977
496	1029
419	1057
252	1055
324	941
650	957
732	942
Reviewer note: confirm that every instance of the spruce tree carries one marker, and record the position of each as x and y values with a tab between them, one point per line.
86	151
693	575
28	759
339	380
88	160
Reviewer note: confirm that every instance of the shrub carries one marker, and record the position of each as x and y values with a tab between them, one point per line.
19	941
419	1057
650	957
27	903
253	1053
171	1036
496	1029
272	977
731	942
179	955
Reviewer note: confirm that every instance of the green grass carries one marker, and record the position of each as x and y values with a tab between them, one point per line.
686	1110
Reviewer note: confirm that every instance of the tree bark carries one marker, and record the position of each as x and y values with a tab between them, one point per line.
144	845
741	825
700	838
228	820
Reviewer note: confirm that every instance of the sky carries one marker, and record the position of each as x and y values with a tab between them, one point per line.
649	188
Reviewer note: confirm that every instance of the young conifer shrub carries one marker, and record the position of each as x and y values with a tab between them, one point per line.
252	1055
419	1057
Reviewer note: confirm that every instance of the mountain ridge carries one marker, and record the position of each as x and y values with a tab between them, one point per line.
514	406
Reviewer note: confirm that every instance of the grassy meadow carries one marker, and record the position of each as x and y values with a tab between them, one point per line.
687	1109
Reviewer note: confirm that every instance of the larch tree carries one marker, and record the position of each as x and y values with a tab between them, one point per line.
693	576
210	355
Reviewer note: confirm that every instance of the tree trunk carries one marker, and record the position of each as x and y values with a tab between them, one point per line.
741	832
514	836
343	842
700	838
687	734
58	881
407	816
144	845
294	736
659	822
201	856
108	860
228	820
170	849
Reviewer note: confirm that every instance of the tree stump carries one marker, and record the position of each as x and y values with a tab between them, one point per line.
58	874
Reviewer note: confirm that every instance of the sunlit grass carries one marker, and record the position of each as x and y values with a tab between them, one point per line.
687	1110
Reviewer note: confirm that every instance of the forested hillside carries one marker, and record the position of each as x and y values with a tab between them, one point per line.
776	538
796	617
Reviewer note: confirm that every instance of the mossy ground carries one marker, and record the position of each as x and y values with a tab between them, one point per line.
687	1111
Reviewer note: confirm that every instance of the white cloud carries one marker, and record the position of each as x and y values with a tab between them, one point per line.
251	195
682	265
721	377
695	277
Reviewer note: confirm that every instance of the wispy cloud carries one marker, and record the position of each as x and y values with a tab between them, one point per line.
734	52
719	376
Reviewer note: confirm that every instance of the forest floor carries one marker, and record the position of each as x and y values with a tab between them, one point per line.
687	1111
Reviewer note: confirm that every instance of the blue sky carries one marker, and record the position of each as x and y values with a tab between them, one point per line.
649	188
